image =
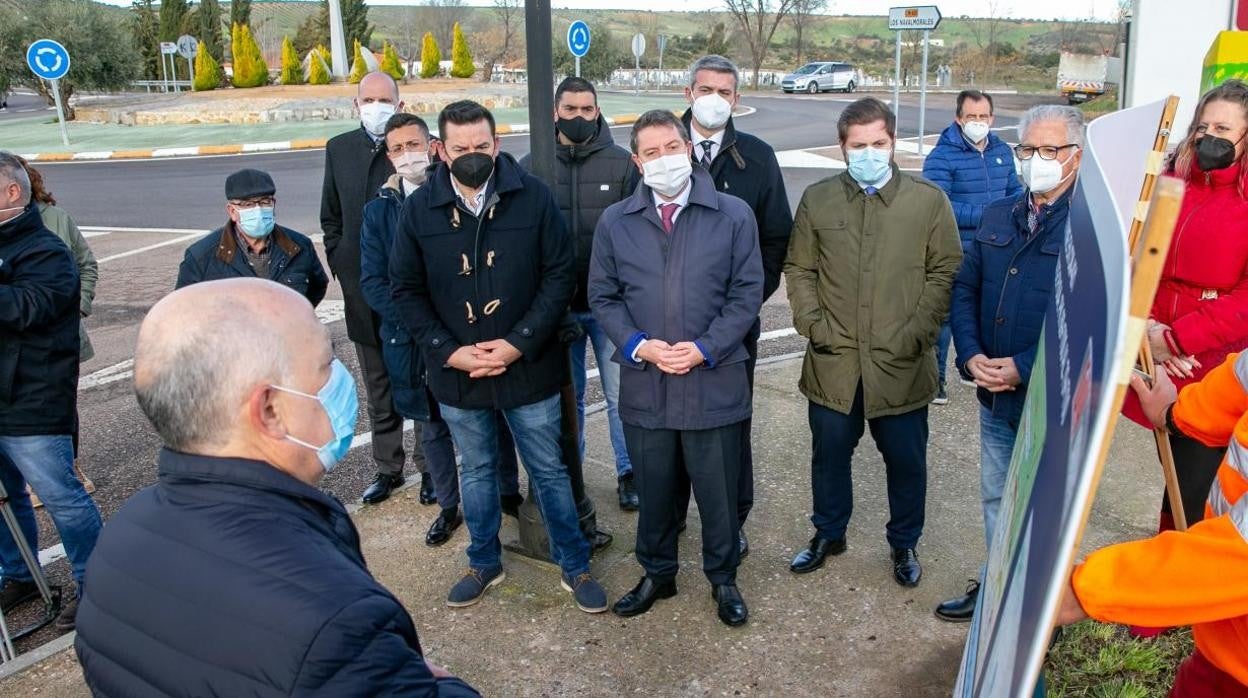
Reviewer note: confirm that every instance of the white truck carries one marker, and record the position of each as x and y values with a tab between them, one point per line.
1081	77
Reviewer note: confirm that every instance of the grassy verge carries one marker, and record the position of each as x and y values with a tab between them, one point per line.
1103	661
1101	105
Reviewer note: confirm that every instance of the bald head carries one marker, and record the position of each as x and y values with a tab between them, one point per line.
376	87
204	348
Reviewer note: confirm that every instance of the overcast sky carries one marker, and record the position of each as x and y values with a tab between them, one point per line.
1029	9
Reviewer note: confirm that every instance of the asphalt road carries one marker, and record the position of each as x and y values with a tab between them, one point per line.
141	215
23	104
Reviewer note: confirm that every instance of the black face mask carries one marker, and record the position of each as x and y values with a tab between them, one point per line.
1213	153
577	130
473	170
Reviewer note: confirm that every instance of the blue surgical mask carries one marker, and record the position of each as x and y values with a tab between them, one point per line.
256	222
339	400
869	166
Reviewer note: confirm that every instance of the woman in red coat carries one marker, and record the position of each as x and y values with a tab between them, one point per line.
1200	313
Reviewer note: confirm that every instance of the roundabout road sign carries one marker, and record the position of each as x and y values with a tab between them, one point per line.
48	59
578	38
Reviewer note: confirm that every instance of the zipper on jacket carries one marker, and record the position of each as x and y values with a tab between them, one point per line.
996	327
1178	234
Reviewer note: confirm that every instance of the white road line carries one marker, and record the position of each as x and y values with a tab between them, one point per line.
122	229
94	233
149	248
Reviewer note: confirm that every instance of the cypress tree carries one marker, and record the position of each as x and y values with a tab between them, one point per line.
461	57
430	56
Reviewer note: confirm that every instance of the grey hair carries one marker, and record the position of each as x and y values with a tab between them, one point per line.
11	170
191	383
718	64
657	117
1070	116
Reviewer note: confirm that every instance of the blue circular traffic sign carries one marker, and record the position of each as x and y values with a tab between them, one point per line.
48	59
578	38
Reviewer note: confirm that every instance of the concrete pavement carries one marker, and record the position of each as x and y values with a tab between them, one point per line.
846	630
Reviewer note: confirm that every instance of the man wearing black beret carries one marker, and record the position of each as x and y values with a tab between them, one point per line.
252	244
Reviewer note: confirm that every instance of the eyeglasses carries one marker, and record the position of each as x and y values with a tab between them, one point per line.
1046	152
408	147
251	203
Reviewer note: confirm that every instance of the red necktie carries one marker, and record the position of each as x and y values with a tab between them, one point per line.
669	212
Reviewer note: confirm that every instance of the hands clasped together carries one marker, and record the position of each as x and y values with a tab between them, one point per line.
676	359
484	359
994	375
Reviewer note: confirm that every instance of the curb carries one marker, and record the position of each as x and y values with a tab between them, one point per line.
238	149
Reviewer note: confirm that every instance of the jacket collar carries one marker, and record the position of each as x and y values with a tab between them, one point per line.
243	472
581	151
1226	177
227	246
508	177
887	194
24	223
702	194
952	137
1049	214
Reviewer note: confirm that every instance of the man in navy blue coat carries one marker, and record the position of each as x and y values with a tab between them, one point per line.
235	575
974	167
251	244
676	280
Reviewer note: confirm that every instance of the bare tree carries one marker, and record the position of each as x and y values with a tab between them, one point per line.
758	24
443	14
409	41
498	40
800	17
985	31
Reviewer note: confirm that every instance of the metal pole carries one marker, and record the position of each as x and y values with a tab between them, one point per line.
164	72
60	110
337	40
190	70
923	93
636	74
578	66
897	79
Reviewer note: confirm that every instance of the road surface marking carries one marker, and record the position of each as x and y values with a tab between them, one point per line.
120	229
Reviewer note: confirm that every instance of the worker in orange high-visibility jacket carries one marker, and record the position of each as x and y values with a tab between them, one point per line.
1199	577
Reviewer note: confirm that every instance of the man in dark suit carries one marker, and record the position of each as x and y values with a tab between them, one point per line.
356	167
746	167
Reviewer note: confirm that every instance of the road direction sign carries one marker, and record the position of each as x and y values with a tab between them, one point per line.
639	44
47	59
187	46
578	38
168	48
924	17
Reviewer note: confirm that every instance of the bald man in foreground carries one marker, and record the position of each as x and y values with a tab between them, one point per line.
234	575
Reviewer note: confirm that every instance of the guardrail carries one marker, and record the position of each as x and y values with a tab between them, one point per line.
163	85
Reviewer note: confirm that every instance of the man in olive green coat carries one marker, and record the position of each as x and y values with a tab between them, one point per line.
869	274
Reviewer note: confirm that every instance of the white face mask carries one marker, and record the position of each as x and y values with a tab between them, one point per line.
1043	176
669	174
975	131
712	111
411	166
374	116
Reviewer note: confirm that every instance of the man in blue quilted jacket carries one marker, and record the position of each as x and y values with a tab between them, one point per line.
974	167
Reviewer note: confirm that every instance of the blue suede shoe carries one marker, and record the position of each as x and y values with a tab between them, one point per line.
473	585
589	595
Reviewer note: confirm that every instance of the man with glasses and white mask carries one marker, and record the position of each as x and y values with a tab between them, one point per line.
676	280
746	167
974	167
252	244
1000	298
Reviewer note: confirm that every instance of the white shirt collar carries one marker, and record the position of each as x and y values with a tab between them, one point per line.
477	202
681	200
717	138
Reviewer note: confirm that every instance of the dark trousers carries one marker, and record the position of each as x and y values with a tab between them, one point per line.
440	459
745	478
902	440
387	424
1196	465
711	460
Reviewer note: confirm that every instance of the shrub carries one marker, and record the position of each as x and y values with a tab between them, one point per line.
430	56
461	57
250	70
318	68
358	68
292	72
390	63
207	70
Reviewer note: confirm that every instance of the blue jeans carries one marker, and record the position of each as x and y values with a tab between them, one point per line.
942	349
47	463
996	444
609	373
535	428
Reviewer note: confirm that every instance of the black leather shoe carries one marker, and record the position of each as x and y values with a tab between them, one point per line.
816	552
732	610
381	489
629	501
962	608
743	544
643	596
427	495
443	526
511	504
906	568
